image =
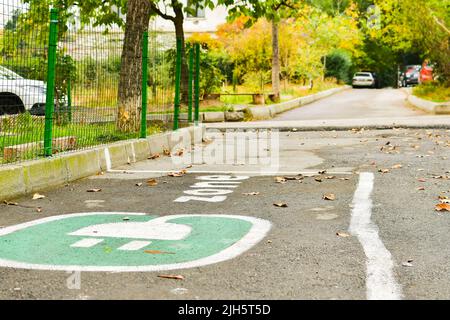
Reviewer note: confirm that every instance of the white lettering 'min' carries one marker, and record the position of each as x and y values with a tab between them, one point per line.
213	189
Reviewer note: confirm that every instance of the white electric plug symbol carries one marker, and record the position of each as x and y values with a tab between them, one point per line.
156	229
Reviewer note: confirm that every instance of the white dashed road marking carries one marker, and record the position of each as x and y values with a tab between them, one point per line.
380	281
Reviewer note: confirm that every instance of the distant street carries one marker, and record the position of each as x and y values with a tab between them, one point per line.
355	104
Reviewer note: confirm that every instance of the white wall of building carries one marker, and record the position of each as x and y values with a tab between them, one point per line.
209	24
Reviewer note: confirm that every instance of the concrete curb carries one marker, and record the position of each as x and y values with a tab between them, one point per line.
269	112
422	122
429	106
34	176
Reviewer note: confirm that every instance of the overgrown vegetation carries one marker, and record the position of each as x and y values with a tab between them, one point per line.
433	91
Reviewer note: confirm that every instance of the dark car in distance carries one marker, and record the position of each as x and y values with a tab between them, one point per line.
410	75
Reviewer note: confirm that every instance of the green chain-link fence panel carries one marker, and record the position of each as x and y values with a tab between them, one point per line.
83	111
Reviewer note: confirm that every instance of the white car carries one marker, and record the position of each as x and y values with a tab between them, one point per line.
18	95
364	79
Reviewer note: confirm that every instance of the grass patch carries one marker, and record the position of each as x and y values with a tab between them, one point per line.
27	129
432	91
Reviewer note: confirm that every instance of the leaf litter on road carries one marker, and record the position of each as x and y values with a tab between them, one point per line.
343	234
252	194
280	205
442	207
329	197
171	276
38	196
158	252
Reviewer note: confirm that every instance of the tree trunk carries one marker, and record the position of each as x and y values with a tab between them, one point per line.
130	83
179	32
276	67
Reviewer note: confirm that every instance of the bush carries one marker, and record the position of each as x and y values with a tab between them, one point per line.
433	91
339	66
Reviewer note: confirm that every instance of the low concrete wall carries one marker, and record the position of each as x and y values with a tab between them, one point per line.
34	176
268	112
429	106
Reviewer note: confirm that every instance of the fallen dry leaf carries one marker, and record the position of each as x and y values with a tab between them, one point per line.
397	166
94	190
342	234
422	180
280	205
10	203
384	171
299	177
139	184
318	179
171	276
443	207
323	172
155	156
158	252
38	196
152	183
179	153
251	194
39	209
280	180
407	264
420	188
329	197
166	152
177	174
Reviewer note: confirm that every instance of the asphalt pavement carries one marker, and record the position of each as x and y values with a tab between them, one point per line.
356	104
310	215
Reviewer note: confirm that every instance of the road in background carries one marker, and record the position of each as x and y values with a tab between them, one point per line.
355	104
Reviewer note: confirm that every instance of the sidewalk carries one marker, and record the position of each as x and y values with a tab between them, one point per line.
421	122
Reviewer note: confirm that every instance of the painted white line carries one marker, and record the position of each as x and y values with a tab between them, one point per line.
108	160
135	245
87	243
380	282
268	173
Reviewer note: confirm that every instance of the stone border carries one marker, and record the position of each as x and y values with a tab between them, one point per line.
428	106
33	176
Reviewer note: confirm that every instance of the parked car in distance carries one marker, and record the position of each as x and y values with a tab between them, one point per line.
18	94
410	75
364	79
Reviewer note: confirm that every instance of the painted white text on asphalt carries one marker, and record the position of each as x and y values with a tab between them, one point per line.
212	188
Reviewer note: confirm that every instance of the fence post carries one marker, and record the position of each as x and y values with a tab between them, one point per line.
177	85
50	99
144	85
191	78
69	98
197	83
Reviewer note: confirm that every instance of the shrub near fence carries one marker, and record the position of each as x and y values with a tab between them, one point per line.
83	66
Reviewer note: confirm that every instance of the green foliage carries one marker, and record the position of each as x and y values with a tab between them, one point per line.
339	66
255	81
211	76
433	91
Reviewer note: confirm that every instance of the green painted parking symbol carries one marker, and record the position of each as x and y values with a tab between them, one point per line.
128	242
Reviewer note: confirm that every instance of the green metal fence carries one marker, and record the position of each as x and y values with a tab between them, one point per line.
60	81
